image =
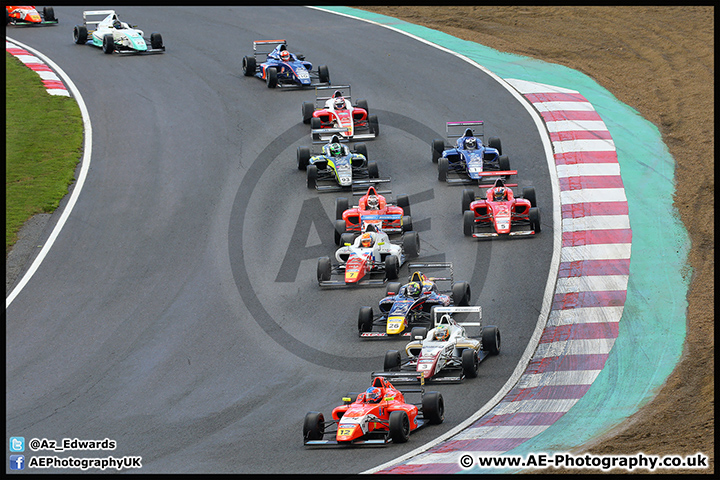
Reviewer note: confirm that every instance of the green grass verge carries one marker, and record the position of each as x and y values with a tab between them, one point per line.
43	144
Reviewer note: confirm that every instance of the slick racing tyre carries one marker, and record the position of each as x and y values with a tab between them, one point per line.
365	319
470	363
433	407
491	339
392	361
314	426
399	426
248	66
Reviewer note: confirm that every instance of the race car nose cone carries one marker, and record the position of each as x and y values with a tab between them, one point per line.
349	432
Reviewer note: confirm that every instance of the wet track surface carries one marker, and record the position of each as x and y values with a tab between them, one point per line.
178	311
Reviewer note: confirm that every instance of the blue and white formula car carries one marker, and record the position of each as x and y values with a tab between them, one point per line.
282	68
113	35
470	160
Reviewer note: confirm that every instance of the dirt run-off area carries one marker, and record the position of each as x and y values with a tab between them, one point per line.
660	61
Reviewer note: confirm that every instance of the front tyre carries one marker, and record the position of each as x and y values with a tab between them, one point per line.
314	426
248	66
108	44
470	363
399	426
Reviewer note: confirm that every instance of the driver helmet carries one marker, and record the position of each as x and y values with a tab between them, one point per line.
414	289
500	194
442	333
339	102
373	395
366	240
471	143
285	56
373	203
335	149
117	24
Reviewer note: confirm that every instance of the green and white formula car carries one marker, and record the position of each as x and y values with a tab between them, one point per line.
112	35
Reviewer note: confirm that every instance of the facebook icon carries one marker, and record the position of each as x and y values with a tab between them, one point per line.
17	462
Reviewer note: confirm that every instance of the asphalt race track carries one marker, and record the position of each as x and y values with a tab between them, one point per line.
178	312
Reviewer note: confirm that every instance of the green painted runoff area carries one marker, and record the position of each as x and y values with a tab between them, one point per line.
653	326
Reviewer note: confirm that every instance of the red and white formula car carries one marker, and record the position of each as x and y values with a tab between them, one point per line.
338	114
371	259
500	212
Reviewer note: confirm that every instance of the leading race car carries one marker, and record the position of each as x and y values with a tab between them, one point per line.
372	209
370	260
338	167
281	68
470	160
410	305
378	416
500	212
445	353
113	35
333	114
29	15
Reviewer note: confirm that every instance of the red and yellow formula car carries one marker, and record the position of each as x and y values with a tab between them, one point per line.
372	209
379	415
500	212
28	15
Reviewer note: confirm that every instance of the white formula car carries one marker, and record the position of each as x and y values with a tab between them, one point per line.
362	259
444	353
112	35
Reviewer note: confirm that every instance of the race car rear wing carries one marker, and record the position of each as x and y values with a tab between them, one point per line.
437	314
447	265
267	42
320	98
95	14
451	128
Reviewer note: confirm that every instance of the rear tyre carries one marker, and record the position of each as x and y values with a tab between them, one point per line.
80	34
468	196
406	222
374	125
392	361
308	108
341	204
411	244
373	171
323	74
433	407
461	293
364	105
340	229
504	163
438	147
314	426
249	66
529	195
361	148
403	201
365	319
392	288
392	266
494	142
399	426
470	363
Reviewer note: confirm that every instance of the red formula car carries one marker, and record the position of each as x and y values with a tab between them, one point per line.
372	209
28	15
500	212
338	114
379	415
